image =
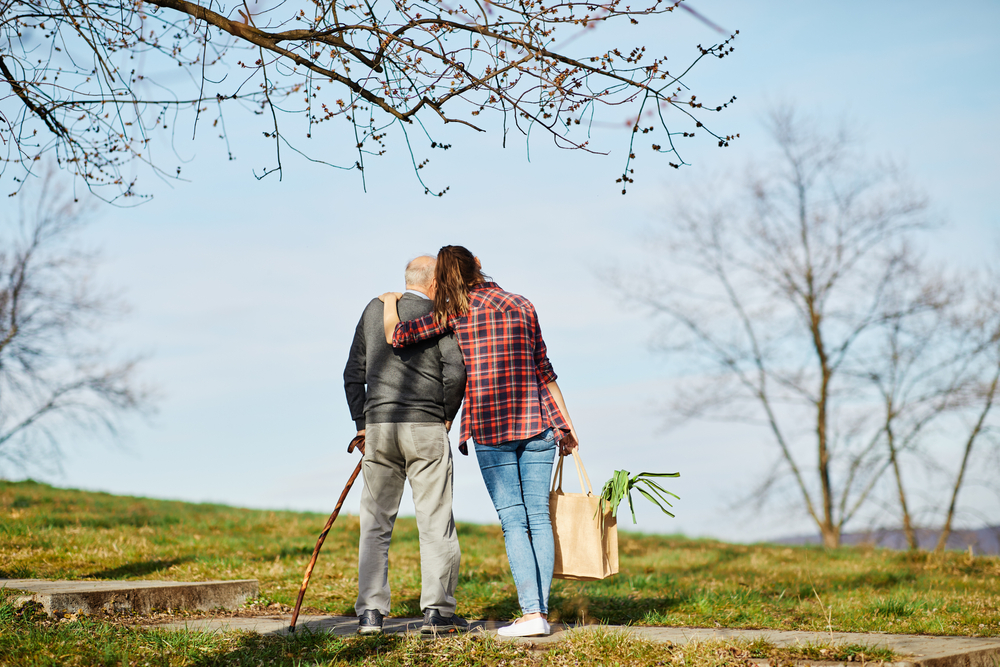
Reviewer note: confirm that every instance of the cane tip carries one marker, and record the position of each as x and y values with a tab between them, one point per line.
291	629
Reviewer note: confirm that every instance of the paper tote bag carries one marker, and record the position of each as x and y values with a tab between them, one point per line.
586	547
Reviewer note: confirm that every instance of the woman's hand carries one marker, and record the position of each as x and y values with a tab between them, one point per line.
568	443
394	295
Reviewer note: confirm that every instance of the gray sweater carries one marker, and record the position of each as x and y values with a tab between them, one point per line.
419	383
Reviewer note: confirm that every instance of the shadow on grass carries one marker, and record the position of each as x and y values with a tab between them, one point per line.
138	569
405	607
608	609
503	609
726	556
294	552
875	579
823	584
251	651
18	571
107	515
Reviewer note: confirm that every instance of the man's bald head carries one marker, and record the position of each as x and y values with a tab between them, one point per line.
420	273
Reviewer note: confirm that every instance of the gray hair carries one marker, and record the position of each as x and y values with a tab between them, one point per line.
420	274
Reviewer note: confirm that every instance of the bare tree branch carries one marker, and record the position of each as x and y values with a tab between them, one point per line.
987	398
54	377
369	65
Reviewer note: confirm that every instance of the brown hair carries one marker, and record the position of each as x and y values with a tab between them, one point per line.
456	272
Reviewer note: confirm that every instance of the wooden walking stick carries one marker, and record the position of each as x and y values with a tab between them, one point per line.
357	443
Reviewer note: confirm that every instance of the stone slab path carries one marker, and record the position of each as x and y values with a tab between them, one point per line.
89	597
919	650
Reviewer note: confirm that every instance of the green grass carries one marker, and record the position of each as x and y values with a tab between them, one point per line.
29	639
53	533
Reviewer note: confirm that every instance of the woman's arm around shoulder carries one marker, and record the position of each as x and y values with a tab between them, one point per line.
390	314
401	334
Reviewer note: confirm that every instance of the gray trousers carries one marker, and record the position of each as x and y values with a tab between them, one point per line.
421	452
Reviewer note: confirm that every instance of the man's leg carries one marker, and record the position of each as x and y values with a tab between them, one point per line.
429	469
383	471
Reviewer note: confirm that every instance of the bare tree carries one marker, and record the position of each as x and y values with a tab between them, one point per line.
96	81
912	382
798	302
983	328
775	293
934	366
925	367
55	376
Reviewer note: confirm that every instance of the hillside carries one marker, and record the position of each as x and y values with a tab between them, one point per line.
52	533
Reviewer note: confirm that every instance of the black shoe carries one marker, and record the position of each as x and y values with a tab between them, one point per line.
435	623
370	622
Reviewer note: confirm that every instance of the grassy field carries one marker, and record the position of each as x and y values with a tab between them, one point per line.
27	642
54	533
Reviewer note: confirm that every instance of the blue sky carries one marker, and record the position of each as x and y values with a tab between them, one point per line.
245	293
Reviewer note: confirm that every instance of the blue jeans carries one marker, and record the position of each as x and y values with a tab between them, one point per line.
517	475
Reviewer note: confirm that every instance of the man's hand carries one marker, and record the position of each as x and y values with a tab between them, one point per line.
357	442
395	295
447	426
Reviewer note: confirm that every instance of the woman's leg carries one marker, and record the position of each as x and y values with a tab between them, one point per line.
506	468
499	466
535	466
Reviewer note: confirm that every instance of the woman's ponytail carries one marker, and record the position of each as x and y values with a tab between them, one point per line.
455	274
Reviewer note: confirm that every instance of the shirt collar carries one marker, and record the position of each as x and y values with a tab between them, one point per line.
416	293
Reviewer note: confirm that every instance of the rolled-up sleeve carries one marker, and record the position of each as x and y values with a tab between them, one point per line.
543	367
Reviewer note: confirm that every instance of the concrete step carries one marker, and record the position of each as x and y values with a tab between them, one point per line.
915	650
89	597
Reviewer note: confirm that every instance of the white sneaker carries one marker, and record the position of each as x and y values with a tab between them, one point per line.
533	628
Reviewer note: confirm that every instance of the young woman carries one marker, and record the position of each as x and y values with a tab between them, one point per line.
514	411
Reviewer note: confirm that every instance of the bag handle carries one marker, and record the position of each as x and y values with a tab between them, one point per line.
557	478
581	474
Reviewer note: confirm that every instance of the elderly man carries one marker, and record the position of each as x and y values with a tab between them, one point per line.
403	402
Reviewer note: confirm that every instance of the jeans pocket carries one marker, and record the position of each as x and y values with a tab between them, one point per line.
372	440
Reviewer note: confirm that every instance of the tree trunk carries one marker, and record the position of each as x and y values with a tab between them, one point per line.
831	535
911	535
828	527
831	532
946	529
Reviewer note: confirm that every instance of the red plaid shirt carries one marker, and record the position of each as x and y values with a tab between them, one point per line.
506	394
